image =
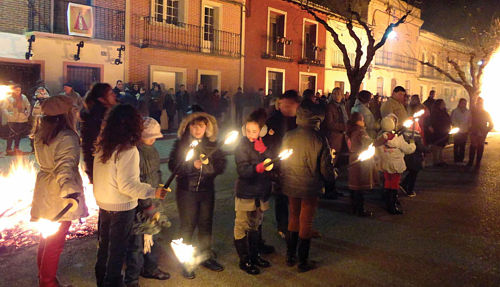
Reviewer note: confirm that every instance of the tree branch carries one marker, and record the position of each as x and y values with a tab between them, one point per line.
390	28
359	46
457	68
443	72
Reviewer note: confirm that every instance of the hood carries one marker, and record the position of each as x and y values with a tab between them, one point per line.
212	129
389	123
310	116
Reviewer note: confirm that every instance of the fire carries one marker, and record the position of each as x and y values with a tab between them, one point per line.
231	137
184	252
367	154
5	91
17	185
408	123
190	154
285	154
194	143
419	113
489	87
46	227
454	131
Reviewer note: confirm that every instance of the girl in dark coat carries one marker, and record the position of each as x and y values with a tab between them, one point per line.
195	182
253	189
440	123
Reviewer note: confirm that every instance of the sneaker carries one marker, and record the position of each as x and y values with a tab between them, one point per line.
411	194
213	265
157	274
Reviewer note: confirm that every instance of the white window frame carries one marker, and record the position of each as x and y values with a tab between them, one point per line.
209	73
283	71
308	74
182	14
277	11
304	36
171	69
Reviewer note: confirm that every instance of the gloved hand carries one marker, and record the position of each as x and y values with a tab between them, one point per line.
259	146
260	168
148	243
161	192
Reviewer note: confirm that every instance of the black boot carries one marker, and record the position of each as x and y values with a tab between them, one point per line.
304	264
360	206
395	202
245	263
291	247
388	200
253	241
263	247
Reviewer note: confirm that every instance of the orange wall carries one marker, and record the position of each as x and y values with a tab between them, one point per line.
256	41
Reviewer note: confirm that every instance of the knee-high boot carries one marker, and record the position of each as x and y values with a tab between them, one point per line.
243	252
304	263
395	202
263	247
253	241
292	239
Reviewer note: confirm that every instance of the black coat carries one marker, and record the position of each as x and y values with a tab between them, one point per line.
280	124
250	184
441	122
415	160
188	177
90	128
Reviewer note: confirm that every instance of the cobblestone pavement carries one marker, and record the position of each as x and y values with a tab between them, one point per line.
448	236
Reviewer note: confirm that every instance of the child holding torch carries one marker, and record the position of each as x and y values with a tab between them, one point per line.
253	189
195	193
117	189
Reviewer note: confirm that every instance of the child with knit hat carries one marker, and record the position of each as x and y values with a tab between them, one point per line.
392	161
143	252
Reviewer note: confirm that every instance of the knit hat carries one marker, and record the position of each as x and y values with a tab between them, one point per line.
152	129
57	105
388	123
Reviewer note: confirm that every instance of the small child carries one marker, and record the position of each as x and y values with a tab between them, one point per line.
414	162
142	255
392	161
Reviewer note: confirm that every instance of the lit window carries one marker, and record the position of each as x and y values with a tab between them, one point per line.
166	10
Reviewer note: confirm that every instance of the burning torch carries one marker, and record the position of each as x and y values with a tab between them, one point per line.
231	137
5	92
189	156
365	155
282	156
50	227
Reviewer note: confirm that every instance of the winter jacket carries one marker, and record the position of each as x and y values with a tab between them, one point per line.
441	123
481	123
250	184
278	125
392	153
143	104
149	167
304	174
156	101
190	179
58	177
461	119
392	106
372	126
335	124
90	129
182	100
14	115
362	175
415	161
117	185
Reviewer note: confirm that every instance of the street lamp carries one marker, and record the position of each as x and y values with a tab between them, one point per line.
392	35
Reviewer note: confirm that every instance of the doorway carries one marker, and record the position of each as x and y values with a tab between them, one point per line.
307	81
82	77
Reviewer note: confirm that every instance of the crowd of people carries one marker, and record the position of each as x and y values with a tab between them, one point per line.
326	133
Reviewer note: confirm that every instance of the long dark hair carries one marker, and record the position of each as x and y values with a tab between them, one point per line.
122	130
48	127
352	122
437	106
98	91
258	116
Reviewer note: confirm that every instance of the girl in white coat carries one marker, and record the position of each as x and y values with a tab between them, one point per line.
392	162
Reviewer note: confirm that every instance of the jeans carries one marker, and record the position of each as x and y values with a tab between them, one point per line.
115	228
459	142
281	209
49	250
410	179
196	209
16	131
138	262
302	212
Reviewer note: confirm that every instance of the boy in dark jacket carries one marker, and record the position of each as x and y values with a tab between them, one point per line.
414	162
195	182
142	253
253	189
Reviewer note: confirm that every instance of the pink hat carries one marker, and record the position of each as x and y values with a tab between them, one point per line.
152	129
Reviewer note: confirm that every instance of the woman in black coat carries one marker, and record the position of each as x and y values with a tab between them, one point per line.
195	182
440	124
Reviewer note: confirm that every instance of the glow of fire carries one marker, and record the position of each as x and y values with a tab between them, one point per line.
190	154
5	92
285	154
489	87
194	143
184	252
17	186
454	131
231	137
419	113
408	123
367	154
46	227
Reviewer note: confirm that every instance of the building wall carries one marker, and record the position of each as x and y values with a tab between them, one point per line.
13	16
256	44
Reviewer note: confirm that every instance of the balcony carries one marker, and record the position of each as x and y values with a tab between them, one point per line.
393	60
279	48
156	33
430	73
337	59
313	56
109	24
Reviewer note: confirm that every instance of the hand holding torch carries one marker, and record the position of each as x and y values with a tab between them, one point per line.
365	155
189	156
282	156
230	138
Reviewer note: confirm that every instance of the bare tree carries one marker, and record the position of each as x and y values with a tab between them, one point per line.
350	13
482	44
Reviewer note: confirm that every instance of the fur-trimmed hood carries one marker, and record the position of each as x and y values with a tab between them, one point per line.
212	129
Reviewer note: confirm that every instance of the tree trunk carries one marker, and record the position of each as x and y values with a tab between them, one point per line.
355	86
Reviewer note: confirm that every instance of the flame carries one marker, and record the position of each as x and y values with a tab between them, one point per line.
231	137
46	227
419	113
190	154
367	154
194	143
454	131
5	91
285	154
489	87
184	252
408	123
17	193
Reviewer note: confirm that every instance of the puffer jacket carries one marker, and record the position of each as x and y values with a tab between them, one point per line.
415	161
149	166
250	184
190	179
372	126
392	153
89	129
304	174
58	177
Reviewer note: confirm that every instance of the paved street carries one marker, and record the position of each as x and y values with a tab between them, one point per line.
448	236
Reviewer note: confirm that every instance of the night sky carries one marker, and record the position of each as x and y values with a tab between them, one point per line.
450	18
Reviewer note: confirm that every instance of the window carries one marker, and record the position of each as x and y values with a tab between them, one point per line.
340	85
307	81
166	11
276	35
407	86
380	86
209	24
275	81
309	45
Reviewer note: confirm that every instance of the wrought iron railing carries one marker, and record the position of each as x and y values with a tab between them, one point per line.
109	24
279	48
153	32
313	55
393	60
431	73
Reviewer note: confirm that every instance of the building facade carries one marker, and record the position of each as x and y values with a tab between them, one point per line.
285	47
54	56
